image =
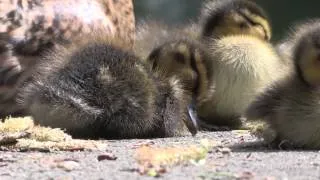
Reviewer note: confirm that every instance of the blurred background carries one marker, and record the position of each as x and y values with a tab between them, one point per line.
282	13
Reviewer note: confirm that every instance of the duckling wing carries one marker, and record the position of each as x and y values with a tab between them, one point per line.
265	104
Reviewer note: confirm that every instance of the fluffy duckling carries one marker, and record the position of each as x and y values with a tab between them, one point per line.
99	89
237	34
291	106
188	61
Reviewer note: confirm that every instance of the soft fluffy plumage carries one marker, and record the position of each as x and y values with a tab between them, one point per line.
98	89
291	106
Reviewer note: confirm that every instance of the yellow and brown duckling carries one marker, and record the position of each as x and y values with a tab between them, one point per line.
188	61
236	34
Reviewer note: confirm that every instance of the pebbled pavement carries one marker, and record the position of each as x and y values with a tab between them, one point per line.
248	159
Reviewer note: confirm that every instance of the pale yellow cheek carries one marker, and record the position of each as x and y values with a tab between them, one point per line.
225	30
256	32
309	66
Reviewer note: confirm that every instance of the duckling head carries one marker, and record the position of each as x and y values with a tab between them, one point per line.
234	17
188	62
307	57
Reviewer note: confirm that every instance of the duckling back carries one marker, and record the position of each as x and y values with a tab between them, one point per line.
295	118
291	112
100	90
242	67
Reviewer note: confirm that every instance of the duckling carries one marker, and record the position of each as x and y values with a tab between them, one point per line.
30	27
189	61
290	106
97	88
237	34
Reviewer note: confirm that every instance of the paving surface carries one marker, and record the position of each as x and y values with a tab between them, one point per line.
245	161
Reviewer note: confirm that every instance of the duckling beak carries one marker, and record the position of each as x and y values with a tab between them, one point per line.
192	121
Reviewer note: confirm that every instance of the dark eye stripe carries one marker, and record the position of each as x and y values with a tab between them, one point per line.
244	25
194	67
316	42
179	57
253	23
247	18
3	49
154	57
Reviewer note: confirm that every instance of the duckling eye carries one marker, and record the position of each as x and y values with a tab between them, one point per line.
179	57
3	49
316	43
318	58
243	25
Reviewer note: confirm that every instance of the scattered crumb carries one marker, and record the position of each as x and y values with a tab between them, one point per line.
68	165
153	160
48	134
26	125
217	175
254	126
70	145
141	143
241	132
261	130
11	138
225	150
246	175
21	134
16	124
107	156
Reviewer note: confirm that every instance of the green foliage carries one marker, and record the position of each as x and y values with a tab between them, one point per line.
170	11
282	13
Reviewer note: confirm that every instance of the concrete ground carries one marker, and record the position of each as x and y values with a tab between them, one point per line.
245	161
